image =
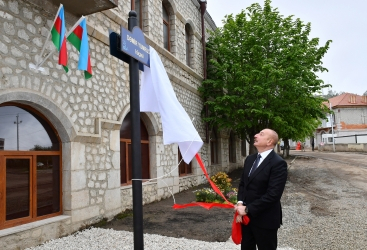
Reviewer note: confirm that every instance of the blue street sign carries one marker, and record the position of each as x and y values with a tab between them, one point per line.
133	43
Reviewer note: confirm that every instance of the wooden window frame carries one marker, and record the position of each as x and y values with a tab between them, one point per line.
167	24
4	154
140	14
187	167
128	141
125	137
188	45
33	186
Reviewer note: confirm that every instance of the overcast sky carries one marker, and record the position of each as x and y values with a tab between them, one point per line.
343	22
31	132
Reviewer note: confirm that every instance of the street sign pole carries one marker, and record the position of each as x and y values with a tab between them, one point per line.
135	144
131	48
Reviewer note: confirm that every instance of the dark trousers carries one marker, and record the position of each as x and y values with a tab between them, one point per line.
264	239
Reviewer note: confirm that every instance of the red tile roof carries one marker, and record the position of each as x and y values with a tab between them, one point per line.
348	99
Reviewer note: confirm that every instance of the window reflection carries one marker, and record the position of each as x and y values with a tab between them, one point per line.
17	188
188	45
22	130
165	28
48	184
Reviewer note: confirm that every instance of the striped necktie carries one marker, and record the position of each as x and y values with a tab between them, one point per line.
254	166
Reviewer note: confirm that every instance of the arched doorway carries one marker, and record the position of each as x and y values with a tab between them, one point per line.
30	166
125	151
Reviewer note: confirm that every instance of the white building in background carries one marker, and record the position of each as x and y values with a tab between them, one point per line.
348	121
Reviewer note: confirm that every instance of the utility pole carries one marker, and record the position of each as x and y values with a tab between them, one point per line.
332	127
18	122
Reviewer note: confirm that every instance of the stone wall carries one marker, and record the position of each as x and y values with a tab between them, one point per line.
88	114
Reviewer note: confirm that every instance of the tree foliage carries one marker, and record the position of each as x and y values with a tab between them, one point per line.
262	73
331	94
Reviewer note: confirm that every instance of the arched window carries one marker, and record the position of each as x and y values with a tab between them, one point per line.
232	148
214	147
183	168
125	151
30	166
188	44
166	29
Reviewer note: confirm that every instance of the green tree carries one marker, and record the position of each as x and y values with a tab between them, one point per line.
330	94
262	73
40	148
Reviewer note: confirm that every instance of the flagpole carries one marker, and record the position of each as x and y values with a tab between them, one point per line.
51	52
48	37
40	64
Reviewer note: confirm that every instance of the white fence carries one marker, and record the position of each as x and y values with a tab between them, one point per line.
346	139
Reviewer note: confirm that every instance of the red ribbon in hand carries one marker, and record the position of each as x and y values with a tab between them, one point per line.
237	228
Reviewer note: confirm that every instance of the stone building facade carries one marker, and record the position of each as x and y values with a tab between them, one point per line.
83	119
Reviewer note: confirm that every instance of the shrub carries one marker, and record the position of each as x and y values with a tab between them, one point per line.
223	182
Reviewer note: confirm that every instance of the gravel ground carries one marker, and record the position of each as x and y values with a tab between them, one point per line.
106	239
324	207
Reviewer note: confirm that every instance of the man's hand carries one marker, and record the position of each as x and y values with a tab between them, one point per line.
237	205
239	218
240	210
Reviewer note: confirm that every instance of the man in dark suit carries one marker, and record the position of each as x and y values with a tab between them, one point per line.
261	187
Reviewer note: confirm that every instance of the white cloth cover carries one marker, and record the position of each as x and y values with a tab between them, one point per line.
157	95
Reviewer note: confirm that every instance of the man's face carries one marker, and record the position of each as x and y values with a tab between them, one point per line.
262	139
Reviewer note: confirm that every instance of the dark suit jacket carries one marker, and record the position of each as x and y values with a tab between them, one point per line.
261	192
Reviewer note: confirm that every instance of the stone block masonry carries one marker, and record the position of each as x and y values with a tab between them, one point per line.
87	114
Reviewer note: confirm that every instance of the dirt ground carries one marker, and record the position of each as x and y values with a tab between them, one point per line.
215	224
191	223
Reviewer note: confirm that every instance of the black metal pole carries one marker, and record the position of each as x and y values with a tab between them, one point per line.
135	144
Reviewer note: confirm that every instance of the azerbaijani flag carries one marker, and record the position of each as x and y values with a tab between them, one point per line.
79	38
58	32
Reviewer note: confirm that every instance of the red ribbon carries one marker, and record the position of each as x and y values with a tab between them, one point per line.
236	227
205	205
